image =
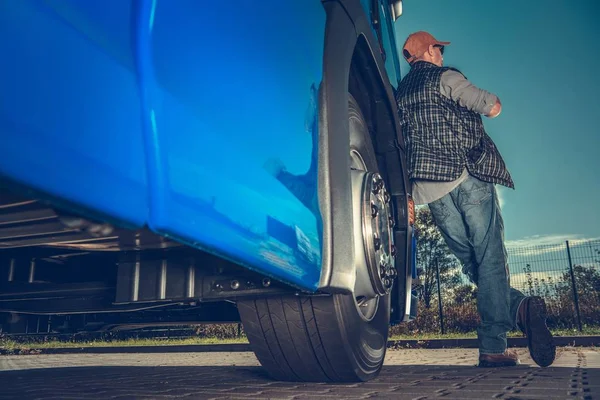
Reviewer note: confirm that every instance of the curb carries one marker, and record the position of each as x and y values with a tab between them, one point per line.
575	341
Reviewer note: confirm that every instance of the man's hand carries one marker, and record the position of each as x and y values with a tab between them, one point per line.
496	109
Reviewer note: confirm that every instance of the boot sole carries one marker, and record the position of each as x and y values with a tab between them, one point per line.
539	338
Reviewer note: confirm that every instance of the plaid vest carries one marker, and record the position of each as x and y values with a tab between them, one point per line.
443	137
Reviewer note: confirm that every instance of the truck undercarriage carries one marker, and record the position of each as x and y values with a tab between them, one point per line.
59	271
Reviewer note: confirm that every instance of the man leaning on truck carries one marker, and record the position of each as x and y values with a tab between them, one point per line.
454	166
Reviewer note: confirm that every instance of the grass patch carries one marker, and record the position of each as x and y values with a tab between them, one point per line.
587	331
430	336
11	345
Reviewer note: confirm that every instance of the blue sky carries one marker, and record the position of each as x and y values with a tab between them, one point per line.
542	59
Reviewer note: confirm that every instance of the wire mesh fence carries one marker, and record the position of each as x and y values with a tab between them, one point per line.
566	275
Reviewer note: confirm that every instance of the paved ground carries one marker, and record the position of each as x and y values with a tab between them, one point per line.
408	374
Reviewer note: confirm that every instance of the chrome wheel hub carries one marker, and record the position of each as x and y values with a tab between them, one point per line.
373	233
377	233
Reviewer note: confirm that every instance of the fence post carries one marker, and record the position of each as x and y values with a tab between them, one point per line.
574	286
437	269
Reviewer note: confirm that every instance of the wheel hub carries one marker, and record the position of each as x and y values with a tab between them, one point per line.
375	259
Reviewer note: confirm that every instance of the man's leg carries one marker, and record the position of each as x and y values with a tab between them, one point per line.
448	219
470	222
516	296
497	303
529	314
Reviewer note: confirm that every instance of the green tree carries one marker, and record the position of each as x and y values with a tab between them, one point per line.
464	294
587	280
432	250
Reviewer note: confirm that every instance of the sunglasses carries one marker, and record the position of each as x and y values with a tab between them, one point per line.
440	47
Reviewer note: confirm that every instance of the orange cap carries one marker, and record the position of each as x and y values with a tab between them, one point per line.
418	43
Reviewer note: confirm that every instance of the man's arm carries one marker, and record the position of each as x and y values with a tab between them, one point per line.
454	85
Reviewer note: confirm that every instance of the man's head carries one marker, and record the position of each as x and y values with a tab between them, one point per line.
422	46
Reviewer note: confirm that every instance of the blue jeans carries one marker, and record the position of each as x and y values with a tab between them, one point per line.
470	221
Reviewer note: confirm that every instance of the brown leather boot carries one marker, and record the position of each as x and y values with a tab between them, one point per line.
532	322
509	359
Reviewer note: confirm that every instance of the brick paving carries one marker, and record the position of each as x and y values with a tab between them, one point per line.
408	374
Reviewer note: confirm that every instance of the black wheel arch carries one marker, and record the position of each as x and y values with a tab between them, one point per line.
352	63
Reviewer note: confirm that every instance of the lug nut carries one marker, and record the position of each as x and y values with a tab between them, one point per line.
377	185
235	285
374	210
386	197
377	243
385	270
392	222
394	250
266	282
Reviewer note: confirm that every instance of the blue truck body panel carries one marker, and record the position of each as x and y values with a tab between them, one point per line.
170	114
176	115
70	108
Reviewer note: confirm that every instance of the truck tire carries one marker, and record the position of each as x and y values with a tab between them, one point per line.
323	338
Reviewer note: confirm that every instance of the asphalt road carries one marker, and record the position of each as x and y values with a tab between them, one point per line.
407	374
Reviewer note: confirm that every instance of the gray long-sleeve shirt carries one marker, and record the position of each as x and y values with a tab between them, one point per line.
456	87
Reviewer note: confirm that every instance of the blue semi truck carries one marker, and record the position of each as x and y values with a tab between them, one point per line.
185	161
